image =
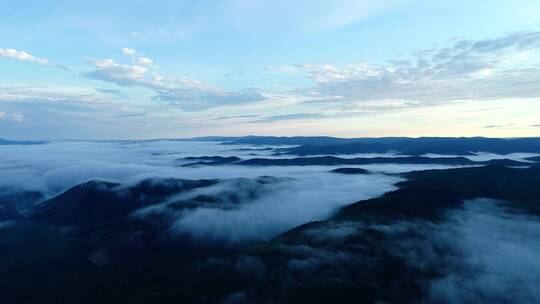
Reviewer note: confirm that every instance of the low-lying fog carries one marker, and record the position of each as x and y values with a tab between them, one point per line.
310	192
56	166
488	253
483	252
485	156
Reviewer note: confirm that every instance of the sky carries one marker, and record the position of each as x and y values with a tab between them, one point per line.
172	69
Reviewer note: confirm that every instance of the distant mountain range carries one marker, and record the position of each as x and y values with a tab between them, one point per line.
23	142
325	145
337	161
321	145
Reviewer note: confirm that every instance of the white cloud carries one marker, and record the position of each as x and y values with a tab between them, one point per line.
182	91
75	112
12	117
144	61
464	70
41	94
121	74
138	58
128	51
22	56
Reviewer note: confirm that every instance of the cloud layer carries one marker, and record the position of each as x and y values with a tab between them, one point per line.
247	206
464	70
184	92
457	77
22	56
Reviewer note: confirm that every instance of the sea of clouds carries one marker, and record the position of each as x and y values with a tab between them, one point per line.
303	193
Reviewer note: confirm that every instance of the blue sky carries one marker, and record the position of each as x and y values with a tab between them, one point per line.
147	69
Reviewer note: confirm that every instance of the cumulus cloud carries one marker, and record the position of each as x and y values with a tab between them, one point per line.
24	56
121	74
463	70
138	58
144	61
184	92
128	51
